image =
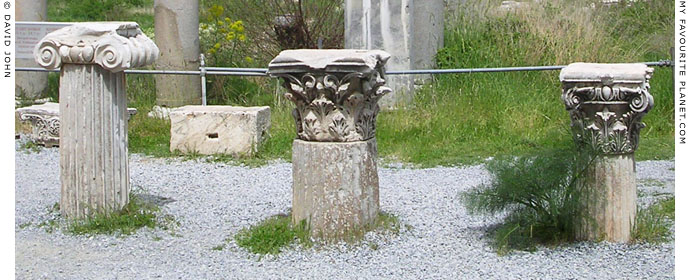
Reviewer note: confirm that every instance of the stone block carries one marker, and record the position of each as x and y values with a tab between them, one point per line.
218	129
335	186
43	121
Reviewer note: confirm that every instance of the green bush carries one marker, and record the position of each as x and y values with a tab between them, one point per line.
539	194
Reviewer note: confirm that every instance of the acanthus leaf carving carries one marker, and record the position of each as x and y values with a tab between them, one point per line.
333	109
607	115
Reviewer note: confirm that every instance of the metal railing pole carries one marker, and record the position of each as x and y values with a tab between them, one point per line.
202	73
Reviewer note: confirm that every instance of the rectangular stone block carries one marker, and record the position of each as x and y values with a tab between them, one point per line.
335	186
218	129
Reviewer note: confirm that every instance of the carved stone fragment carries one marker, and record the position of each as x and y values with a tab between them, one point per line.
45	122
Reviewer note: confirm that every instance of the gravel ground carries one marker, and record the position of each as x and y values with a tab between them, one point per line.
212	201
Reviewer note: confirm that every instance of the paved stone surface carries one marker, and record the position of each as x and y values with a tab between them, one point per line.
213	201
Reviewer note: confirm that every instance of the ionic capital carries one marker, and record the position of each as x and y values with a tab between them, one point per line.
115	46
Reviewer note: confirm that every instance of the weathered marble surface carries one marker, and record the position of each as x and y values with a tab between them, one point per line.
45	123
606	103
219	129
115	46
44	120
336	92
410	30
30	85
177	35
94	171
335	186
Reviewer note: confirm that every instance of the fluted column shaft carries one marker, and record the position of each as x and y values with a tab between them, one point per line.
94	172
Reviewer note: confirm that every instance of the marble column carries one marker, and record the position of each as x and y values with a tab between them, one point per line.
410	30
606	104
94	172
177	33
30	85
335	179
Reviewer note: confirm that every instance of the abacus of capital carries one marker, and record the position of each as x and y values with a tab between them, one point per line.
94	170
335	180
606	104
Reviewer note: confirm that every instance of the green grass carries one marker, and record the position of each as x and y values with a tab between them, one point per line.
653	224
272	235
135	215
30	147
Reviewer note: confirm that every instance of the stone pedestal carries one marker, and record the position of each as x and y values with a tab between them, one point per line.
30	85
177	33
606	104
94	170
211	130
335	181
410	30
335	185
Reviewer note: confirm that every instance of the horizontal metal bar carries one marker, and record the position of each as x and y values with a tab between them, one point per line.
226	69
164	72
259	72
159	72
473	70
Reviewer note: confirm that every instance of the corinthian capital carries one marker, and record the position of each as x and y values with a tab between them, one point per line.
606	104
335	91
115	46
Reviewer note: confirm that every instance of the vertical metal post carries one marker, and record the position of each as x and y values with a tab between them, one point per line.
202	73
673	68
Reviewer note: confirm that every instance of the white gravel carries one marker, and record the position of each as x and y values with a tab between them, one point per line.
212	201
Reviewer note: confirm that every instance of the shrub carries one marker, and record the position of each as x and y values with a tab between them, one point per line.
538	192
275	25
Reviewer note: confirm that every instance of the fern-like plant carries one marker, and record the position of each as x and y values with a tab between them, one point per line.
539	194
